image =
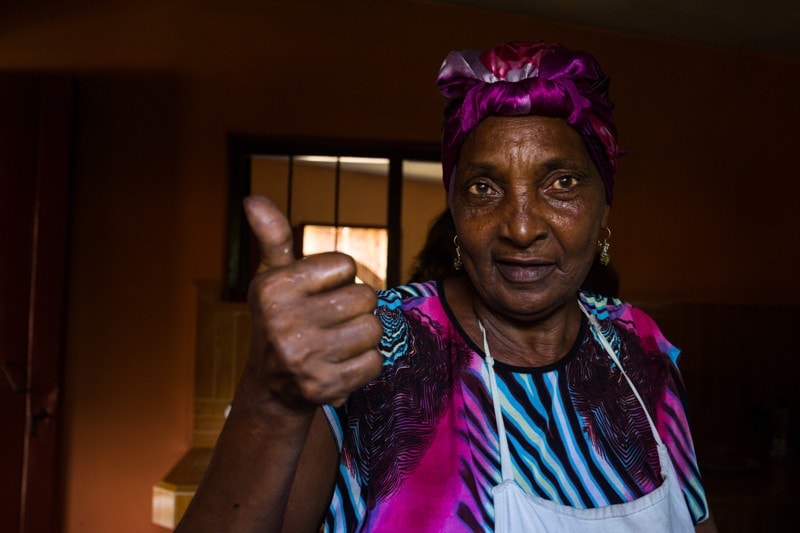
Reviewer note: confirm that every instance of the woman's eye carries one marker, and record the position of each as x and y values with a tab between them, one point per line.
565	182
480	188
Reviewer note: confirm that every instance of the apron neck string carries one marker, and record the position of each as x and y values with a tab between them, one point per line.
598	333
505	456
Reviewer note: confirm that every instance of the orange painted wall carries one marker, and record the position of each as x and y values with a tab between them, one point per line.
704	210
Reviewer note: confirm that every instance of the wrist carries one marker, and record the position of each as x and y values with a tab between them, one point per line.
257	403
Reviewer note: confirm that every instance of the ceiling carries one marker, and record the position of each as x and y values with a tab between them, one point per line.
759	26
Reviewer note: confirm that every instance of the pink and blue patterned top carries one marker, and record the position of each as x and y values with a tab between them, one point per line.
419	448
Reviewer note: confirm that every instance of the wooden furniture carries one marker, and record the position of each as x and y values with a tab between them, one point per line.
223	335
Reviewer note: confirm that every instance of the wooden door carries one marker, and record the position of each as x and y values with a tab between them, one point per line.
35	117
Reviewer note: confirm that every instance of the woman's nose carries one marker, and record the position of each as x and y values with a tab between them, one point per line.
524	223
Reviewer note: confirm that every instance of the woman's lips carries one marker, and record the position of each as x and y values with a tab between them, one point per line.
524	272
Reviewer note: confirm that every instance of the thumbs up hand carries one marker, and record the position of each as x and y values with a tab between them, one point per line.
314	331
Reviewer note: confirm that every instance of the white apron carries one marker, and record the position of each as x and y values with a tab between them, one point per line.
663	510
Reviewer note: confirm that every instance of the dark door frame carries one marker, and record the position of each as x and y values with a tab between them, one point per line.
35	133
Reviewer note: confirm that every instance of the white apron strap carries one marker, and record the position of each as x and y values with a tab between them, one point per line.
505	456
602	339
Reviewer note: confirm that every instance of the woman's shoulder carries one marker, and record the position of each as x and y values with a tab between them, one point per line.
633	319
400	296
414	310
615	309
603	307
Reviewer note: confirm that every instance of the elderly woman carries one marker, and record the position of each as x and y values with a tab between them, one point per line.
505	399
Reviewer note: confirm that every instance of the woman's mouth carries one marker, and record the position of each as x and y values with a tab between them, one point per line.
524	271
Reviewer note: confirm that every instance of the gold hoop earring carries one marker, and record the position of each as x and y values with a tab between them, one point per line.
457	263
604	246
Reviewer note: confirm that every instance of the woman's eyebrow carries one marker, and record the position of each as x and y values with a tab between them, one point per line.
564	162
480	167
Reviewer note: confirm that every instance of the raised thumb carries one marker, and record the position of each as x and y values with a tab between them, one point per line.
272	232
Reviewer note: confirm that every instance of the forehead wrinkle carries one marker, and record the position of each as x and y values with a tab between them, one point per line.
524	143
555	154
500	148
520	158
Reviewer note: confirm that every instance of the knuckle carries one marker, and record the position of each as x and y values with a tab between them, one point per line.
367	293
313	391
293	355
346	260
330	260
264	287
345	264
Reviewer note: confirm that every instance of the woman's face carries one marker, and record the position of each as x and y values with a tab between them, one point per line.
529	206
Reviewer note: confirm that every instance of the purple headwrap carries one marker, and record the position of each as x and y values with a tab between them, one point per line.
528	78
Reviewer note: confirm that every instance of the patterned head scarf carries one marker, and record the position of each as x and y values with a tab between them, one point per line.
528	78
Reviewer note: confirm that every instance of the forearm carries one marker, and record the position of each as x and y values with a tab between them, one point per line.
253	466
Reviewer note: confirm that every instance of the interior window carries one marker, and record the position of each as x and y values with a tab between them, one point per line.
374	204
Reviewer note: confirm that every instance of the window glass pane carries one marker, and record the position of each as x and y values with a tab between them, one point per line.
363	189
313	190
367	246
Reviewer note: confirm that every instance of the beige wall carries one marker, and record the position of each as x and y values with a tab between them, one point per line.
704	210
